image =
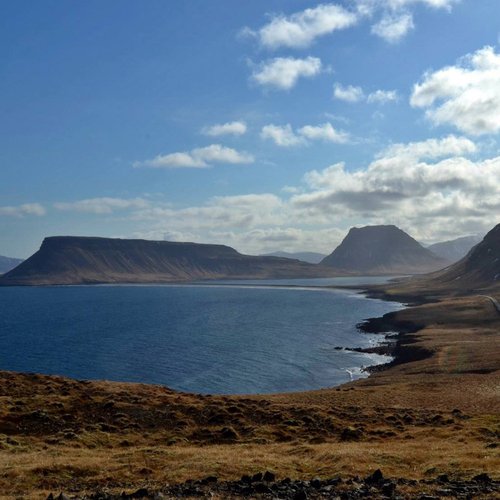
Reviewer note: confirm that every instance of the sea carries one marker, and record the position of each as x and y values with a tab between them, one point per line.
224	337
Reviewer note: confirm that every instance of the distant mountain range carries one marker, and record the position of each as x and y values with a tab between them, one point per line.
454	250
8	263
368	250
311	257
382	250
78	260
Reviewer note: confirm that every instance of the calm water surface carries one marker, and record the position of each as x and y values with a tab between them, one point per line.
208	339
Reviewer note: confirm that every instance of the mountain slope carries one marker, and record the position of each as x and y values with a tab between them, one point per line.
382	249
454	250
479	269
311	257
8	263
74	260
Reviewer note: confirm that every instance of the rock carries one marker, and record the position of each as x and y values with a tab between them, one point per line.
388	489
62	496
246	479
376	477
300	495
443	478
482	478
262	488
257	477
269	477
140	493
209	480
316	483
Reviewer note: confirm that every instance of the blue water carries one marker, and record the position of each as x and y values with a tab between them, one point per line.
207	339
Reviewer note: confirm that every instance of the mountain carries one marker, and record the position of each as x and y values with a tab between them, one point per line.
8	263
311	257
382	250
78	260
478	270
454	250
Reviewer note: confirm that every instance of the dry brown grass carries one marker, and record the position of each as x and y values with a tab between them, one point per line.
416	420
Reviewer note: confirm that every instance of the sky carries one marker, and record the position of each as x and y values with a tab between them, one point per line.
263	125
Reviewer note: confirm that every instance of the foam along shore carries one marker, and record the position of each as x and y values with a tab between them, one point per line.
433	412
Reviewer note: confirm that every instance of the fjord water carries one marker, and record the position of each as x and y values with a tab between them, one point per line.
207	339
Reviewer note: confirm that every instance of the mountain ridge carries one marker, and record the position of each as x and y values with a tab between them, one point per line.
86	260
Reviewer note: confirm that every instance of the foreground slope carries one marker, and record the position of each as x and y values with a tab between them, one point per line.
478	272
79	260
382	250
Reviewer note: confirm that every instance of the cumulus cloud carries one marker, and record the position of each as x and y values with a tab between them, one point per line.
105	205
282	136
230	128
22	210
393	27
394	17
302	28
198	158
351	93
285	136
284	72
382	96
348	94
430	188
431	148
466	95
324	132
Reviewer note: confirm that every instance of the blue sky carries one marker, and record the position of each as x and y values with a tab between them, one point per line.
263	125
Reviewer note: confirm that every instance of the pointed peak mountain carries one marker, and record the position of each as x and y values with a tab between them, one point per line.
382	250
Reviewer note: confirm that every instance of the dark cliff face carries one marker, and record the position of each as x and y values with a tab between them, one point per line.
73	260
382	249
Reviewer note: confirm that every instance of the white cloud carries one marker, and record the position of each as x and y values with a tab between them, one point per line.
382	96
230	128
349	93
393	27
283	72
282	136
103	205
466	95
198	158
285	136
302	28
396	18
431	148
24	209
352	93
324	132
428	188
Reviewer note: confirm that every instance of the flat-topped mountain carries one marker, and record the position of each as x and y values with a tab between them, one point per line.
8	263
311	257
454	250
79	260
382	250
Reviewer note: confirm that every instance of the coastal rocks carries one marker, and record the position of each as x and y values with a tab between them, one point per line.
266	486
